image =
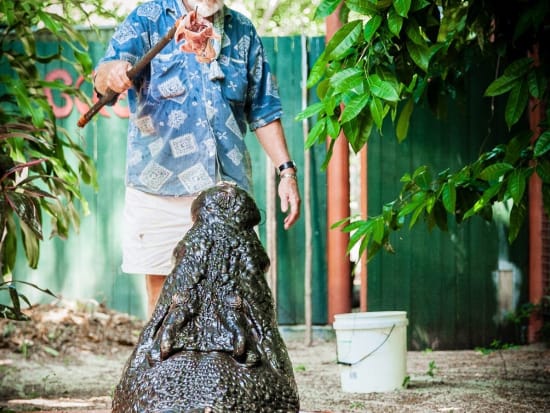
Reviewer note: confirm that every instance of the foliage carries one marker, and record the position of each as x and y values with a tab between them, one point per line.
432	368
391	56
14	311
41	166
281	17
496	345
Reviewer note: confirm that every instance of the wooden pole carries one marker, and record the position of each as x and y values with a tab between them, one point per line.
364	214
308	307
536	287
271	227
338	263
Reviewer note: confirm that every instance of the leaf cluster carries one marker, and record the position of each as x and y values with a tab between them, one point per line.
281	17
391	56
41	165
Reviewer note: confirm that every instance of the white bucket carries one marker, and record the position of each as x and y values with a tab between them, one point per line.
372	350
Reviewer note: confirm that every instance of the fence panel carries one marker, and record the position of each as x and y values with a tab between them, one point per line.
450	284
87	265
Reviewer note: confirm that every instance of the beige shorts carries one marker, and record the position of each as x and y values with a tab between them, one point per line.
152	227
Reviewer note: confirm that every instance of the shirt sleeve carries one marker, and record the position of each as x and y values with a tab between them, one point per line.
129	41
263	103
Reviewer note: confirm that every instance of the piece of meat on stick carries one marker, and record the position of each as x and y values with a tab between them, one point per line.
197	33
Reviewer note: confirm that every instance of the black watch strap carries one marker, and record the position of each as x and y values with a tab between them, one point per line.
286	165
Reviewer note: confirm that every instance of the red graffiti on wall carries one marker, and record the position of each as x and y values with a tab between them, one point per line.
68	103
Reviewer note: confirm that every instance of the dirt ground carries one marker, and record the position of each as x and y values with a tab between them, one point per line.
70	357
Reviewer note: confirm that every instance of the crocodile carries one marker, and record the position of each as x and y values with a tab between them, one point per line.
212	343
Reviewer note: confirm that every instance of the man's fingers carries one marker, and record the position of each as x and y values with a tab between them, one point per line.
293	215
284	204
118	80
290	201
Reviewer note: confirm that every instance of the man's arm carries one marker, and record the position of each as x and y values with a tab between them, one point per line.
272	139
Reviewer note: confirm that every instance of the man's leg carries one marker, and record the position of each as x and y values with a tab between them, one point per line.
153	284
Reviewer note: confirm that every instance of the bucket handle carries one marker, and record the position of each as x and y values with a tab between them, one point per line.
368	354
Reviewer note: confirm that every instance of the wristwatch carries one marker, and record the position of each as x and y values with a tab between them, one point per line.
287	165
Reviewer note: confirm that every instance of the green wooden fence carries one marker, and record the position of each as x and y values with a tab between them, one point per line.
87	265
458	287
450	284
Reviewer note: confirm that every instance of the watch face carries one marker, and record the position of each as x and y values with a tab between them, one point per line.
286	165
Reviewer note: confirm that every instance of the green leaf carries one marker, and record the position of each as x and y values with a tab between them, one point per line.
354	107
542	144
419	4
378	230
44	290
377	111
516	146
30	244
480	205
348	80
418	199
374	248
341	222
438	217
326	8
363	231
448	196
500	86
362	246
344	40
509	78
371	27
395	22
332	103
323	89
317	133
366	8
406	178
543	170
419	55
535	83
7	8
333	127
348	227
382	88
516	103
50	23
422	177
413	33
402	127
84	59
27	210
402	7
318	70
311	110
518	68
516	185
363	125
420	208
9	249
15	300
517	217
495	171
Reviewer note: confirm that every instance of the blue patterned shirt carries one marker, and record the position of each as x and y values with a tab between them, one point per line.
188	120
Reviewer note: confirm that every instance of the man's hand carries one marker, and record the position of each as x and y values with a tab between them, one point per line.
112	75
290	199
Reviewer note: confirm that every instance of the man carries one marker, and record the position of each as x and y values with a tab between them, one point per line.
187	125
